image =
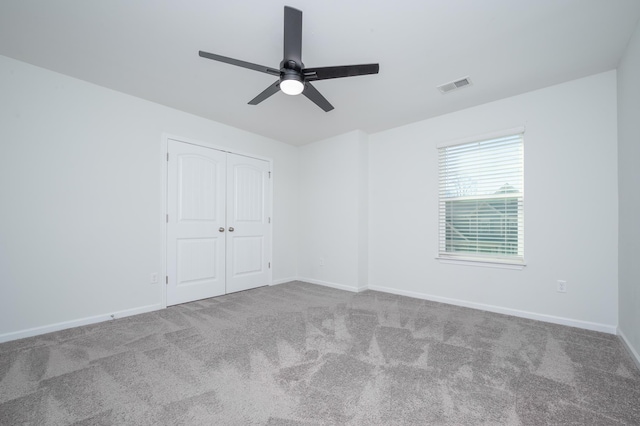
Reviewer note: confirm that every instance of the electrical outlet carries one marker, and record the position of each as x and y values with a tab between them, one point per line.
322	261
562	286
154	278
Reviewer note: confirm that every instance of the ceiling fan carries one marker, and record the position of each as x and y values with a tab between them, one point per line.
293	77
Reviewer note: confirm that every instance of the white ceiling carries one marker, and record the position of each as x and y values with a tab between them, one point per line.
149	49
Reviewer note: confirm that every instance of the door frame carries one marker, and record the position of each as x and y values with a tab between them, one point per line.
165	207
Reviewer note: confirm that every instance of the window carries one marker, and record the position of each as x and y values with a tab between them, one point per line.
481	198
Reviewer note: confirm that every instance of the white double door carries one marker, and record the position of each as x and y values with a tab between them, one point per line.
218	230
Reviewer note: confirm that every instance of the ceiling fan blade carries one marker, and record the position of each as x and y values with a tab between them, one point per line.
315	97
325	73
275	87
239	63
293	35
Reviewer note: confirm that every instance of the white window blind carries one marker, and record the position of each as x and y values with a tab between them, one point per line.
481	200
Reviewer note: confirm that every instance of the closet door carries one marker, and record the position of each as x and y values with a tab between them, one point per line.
248	236
196	226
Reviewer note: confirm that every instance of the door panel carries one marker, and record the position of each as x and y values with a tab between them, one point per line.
195	247
197	177
194	258
247	256
249	190
248	245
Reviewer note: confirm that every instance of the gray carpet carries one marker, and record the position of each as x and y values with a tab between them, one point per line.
301	354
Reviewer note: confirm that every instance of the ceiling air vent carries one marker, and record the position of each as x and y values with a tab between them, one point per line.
449	87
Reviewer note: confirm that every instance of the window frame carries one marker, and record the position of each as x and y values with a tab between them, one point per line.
478	259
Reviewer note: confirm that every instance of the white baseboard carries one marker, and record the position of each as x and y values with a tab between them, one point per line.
284	280
634	355
507	311
610	329
76	323
352	289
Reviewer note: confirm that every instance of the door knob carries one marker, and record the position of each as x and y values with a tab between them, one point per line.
231	229
221	229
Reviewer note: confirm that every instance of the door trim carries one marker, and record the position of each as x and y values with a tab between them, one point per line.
165	208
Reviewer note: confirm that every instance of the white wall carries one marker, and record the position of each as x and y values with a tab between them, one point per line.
80	191
333	211
571	215
363	211
629	192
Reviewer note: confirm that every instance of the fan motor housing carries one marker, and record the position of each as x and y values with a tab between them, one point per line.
291	65
290	70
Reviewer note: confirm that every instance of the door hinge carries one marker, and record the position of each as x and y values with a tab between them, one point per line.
269	175
166	279
167	218
269	265
167	156
269	220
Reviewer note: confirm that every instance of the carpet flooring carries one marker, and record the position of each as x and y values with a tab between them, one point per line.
301	354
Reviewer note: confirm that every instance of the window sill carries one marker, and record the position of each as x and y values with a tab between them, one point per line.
482	263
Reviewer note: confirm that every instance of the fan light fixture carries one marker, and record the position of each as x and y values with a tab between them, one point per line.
291	86
293	77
